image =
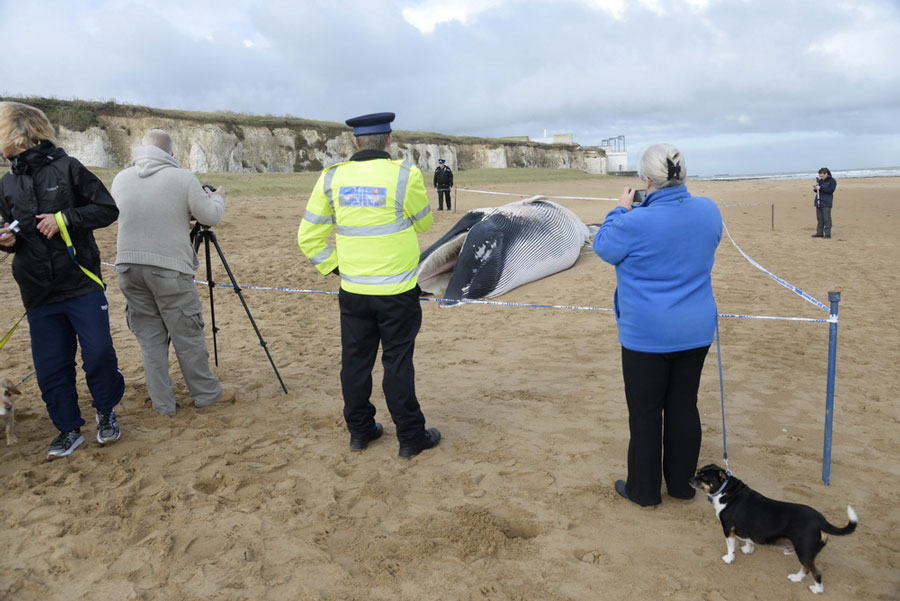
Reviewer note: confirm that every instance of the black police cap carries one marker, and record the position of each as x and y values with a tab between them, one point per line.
376	123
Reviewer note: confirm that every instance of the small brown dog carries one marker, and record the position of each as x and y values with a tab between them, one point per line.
8	389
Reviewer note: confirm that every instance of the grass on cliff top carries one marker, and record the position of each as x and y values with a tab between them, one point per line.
273	185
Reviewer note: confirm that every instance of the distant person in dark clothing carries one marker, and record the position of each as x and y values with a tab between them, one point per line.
443	181
824	188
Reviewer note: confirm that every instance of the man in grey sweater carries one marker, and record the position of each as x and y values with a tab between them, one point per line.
156	261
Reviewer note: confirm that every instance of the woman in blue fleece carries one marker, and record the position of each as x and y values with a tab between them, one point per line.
663	249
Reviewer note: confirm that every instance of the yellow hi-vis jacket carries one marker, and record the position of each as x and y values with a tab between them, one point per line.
375	208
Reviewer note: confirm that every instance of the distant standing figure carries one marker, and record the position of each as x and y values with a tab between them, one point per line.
155	261
443	181
663	249
58	204
375	206
824	189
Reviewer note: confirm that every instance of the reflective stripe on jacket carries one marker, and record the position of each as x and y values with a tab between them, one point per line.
375	208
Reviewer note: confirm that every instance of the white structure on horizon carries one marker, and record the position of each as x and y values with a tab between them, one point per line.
616	155
554	139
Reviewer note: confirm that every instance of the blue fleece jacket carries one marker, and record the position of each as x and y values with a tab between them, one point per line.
663	251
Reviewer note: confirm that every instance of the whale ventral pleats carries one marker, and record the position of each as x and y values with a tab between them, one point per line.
491	251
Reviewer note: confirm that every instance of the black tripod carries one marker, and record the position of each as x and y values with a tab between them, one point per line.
203	232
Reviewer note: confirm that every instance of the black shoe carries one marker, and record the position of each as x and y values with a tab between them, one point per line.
65	443
620	488
431	440
827	236
359	442
817	236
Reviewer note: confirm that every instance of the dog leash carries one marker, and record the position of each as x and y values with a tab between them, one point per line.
722	397
9	334
70	248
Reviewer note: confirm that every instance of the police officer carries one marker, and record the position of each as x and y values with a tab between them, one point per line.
377	205
443	181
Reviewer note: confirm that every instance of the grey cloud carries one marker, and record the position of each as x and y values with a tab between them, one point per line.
734	69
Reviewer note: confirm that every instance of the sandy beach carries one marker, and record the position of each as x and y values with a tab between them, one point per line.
263	500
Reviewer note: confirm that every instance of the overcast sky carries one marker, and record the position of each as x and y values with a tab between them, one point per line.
740	86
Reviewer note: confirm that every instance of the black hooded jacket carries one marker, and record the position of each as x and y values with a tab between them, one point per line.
44	179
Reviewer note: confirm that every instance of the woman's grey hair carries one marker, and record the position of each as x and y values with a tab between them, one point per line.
664	165
159	138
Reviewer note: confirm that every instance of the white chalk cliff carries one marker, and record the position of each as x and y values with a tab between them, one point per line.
229	146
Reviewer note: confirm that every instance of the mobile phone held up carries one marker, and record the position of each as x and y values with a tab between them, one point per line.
638	198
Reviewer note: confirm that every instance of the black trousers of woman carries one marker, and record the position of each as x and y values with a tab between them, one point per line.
664	423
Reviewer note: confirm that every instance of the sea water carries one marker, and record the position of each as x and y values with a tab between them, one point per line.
837	174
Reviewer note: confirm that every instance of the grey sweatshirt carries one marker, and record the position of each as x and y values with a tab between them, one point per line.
156	199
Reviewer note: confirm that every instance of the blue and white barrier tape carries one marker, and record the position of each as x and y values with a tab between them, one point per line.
530	195
801	293
740	204
729	204
787	285
471	301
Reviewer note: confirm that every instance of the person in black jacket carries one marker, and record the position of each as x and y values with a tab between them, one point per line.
443	181
58	203
824	189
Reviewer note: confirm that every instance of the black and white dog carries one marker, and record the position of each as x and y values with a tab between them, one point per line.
755	519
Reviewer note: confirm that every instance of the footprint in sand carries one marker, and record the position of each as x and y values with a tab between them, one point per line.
527	479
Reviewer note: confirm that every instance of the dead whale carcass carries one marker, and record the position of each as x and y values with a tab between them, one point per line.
491	251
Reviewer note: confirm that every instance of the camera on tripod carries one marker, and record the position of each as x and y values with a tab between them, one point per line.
197	224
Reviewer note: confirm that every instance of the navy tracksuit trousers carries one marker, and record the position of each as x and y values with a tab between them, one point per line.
57	329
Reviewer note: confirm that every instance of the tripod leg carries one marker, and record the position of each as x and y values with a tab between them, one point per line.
206	234
237	290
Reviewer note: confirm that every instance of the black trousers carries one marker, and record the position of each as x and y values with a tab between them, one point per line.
393	321
443	194
661	391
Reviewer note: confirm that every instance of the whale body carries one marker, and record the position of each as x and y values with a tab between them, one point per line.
492	251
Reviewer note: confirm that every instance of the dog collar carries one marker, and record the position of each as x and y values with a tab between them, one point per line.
721	488
718	492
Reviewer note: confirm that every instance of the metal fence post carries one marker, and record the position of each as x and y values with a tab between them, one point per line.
834	298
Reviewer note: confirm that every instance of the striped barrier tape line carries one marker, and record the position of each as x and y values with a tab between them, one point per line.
471	301
784	283
530	195
721	205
